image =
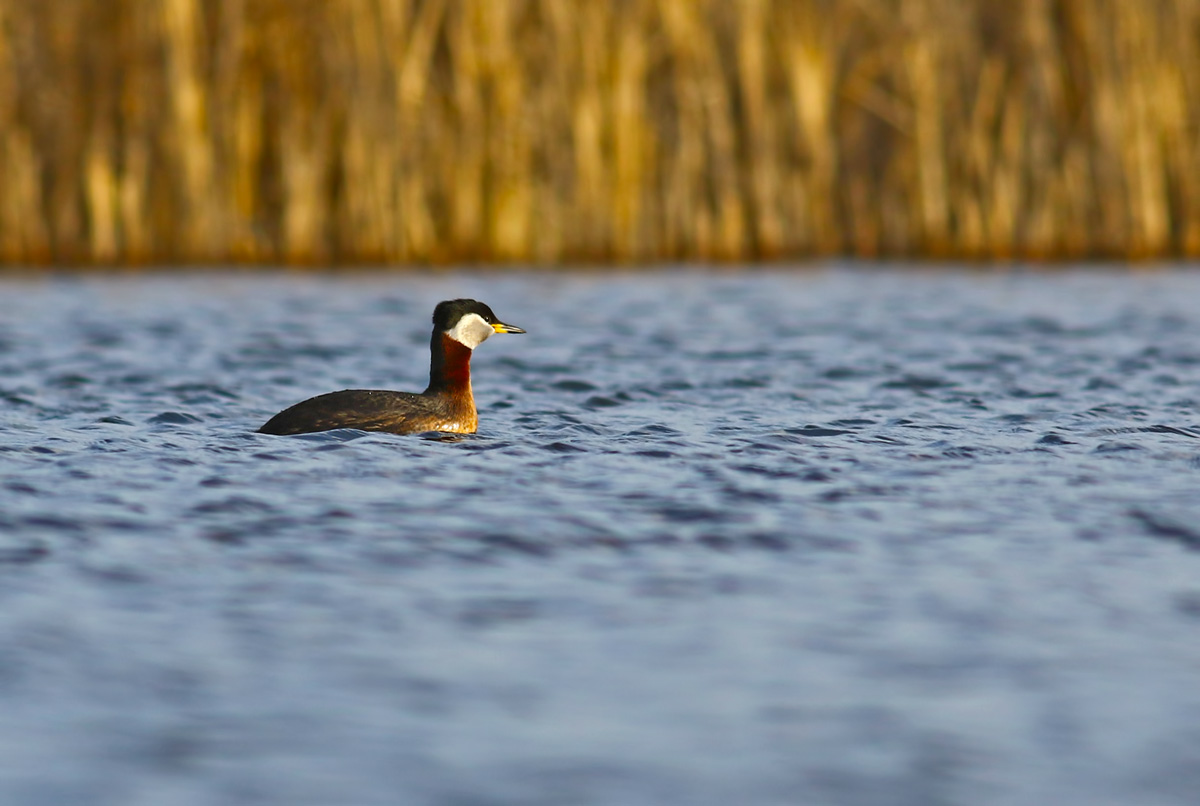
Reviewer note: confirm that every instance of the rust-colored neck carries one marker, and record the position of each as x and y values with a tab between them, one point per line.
449	368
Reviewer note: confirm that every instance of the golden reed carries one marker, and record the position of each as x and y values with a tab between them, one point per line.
382	131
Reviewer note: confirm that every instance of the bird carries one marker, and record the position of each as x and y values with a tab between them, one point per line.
447	404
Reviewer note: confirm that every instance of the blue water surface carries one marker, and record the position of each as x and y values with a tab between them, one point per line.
850	535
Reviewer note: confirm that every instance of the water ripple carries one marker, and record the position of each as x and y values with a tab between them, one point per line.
862	537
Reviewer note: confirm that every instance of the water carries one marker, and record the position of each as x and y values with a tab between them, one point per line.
831	537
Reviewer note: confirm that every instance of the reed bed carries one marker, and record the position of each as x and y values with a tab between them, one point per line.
414	131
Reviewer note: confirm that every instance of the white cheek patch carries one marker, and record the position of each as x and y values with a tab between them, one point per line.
470	331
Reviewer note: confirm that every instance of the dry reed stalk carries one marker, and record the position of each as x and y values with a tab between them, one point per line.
436	130
21	240
188	131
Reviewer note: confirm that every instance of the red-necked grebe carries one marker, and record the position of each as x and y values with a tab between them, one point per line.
459	326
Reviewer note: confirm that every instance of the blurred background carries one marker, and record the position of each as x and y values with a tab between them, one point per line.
415	131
